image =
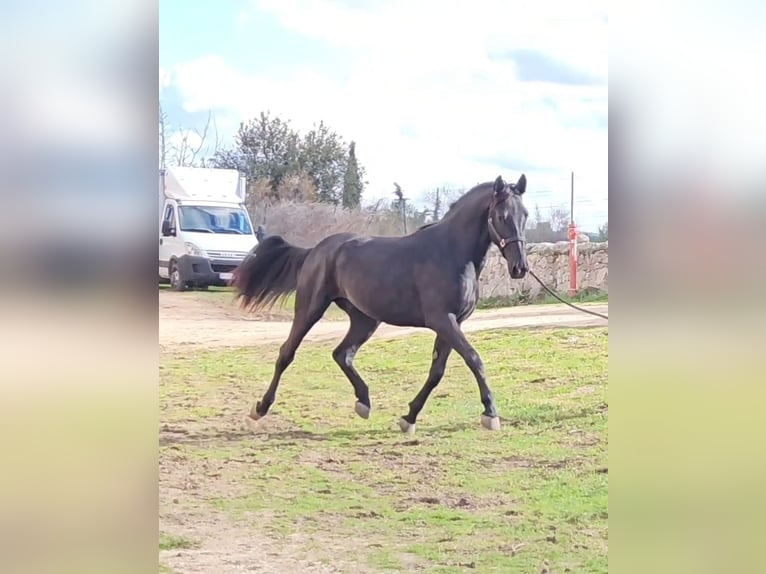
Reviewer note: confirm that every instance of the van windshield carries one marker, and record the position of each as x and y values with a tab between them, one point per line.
214	219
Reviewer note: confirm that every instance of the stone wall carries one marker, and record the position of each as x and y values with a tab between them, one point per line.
550	262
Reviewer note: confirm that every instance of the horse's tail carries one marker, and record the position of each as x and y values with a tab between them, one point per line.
268	273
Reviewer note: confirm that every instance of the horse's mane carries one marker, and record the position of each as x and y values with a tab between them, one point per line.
468	197
426	225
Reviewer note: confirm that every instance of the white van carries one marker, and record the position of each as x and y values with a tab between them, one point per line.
205	230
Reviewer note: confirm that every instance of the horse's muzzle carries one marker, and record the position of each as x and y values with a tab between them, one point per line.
518	271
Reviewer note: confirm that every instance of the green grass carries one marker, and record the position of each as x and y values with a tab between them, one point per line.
168	542
523	298
450	498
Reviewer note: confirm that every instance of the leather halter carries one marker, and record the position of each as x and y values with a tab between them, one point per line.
498	239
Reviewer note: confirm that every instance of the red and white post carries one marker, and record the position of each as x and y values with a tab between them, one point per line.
572	259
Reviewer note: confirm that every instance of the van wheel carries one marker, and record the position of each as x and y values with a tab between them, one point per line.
176	282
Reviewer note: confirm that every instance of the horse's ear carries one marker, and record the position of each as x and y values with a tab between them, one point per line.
499	185
521	185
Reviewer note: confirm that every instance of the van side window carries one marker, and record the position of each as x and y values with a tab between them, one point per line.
169	215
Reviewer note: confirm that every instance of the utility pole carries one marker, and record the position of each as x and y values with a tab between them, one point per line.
402	202
404	215
572	244
571	201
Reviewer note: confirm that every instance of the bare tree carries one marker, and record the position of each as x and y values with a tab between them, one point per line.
439	200
306	224
187	147
378	205
163	148
559	218
548	229
297	187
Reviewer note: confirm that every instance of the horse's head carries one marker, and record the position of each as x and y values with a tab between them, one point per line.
507	219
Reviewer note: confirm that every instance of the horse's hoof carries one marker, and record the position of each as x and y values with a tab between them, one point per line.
362	410
490	423
252	422
254	414
407	428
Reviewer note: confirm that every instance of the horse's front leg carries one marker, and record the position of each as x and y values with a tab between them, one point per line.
448	329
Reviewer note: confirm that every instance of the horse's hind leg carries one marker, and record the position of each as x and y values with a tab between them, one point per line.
309	308
438	365
361	329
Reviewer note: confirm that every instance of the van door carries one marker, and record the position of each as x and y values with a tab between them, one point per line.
170	244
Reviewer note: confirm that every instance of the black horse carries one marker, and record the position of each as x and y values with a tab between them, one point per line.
426	279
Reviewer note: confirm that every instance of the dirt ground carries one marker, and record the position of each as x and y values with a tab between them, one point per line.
206	320
198	320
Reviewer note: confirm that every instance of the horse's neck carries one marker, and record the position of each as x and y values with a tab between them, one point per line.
470	239
480	255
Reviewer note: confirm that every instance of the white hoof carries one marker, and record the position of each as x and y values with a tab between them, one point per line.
252	423
490	423
362	410
406	427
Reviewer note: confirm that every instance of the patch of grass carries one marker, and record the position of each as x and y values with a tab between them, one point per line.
169	542
450	498
543	298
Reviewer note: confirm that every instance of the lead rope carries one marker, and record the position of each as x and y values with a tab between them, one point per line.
549	290
500	242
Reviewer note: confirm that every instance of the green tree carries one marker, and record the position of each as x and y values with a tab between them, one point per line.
352	180
323	157
268	150
603	232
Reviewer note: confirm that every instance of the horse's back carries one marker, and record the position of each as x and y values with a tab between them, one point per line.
384	276
318	274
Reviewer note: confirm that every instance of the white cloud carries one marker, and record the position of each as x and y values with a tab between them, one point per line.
424	69
243	17
455	32
165	79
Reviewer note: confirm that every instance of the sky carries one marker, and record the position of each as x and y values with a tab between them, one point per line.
434	93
